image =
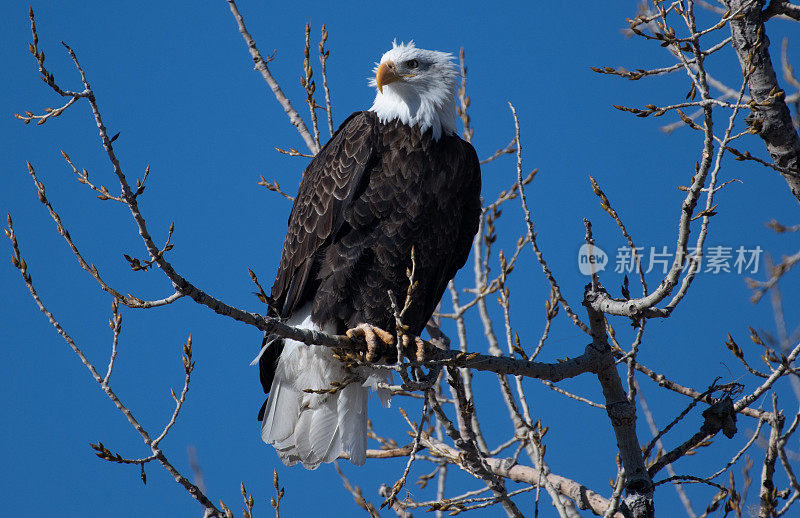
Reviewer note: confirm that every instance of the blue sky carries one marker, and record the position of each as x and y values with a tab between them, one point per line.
177	82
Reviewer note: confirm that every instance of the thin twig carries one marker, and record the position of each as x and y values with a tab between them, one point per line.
261	66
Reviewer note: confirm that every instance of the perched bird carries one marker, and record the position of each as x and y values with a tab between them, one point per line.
391	178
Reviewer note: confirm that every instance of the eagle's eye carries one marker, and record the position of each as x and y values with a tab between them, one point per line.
412	63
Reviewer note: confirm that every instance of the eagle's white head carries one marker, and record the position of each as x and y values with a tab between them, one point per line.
418	87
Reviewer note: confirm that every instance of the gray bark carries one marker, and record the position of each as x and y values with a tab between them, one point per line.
770	118
638	501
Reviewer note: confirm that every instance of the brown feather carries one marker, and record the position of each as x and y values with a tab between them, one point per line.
371	194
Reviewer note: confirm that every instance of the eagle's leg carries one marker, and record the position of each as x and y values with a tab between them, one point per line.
377	340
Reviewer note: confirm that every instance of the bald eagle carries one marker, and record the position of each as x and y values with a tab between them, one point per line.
391	178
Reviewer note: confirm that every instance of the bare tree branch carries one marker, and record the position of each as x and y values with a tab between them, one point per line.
770	118
261	66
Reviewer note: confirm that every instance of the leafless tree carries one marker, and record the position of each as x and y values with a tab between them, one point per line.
447	435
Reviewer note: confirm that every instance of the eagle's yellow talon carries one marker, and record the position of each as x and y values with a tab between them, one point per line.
375	338
421	349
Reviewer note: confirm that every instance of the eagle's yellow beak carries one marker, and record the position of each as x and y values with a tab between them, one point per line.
386	74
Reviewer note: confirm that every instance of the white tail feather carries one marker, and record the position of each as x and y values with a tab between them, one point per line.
353	412
314	428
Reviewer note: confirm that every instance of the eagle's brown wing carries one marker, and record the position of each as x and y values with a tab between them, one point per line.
329	184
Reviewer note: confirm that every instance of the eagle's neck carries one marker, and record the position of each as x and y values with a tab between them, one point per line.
434	109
